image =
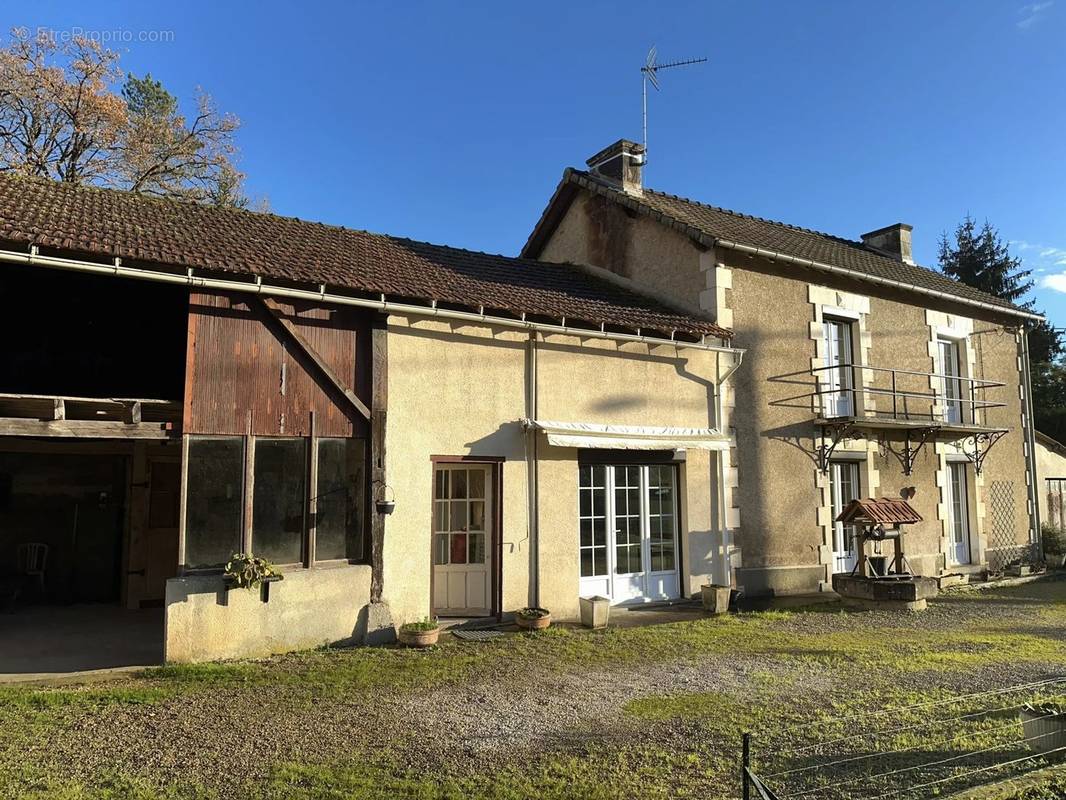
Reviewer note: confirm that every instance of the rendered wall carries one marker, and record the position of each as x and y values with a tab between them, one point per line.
777	500
309	608
461	391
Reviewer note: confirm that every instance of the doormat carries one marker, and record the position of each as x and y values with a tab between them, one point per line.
477	636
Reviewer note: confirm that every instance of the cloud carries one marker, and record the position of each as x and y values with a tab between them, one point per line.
1031	13
1055	282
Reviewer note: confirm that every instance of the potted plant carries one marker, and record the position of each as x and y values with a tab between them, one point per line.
716	598
1044	727
1053	539
245	571
532	618
420	634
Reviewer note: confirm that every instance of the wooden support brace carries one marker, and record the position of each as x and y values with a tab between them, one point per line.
312	355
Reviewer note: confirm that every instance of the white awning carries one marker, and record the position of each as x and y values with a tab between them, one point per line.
629	437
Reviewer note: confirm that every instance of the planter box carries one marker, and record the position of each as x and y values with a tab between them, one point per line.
419	638
533	623
595	611
1043	732
716	598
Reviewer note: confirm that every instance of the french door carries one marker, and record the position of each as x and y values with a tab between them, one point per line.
950	383
843	488
837	397
628	532
958	513
462	540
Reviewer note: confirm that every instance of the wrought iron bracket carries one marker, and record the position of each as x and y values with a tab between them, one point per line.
976	447
912	446
834	432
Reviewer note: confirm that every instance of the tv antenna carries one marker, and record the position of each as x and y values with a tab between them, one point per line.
650	72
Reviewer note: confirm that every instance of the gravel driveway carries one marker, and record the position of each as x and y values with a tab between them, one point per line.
500	704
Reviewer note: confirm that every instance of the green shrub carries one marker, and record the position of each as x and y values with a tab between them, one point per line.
1054	539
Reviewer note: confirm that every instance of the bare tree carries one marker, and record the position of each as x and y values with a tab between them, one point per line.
60	118
59	121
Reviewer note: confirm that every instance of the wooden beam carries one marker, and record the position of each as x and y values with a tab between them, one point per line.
132	412
380	398
320	364
85	429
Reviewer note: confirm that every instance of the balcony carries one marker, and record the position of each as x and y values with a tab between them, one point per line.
908	405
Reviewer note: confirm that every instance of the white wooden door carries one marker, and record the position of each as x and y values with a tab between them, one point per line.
628	532
843	488
950	385
959	514
837	399
462	540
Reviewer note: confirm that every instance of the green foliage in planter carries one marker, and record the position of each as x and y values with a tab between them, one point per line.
427	624
532	613
247	572
1054	539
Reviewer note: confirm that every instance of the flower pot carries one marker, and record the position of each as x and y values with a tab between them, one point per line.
386	506
715	598
419	638
533	623
595	611
1044	732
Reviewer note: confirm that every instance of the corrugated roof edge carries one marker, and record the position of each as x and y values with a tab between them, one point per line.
572	177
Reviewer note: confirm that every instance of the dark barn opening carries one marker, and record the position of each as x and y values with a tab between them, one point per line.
77	335
92	382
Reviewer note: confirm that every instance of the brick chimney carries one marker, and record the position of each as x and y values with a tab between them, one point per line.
621	164
893	241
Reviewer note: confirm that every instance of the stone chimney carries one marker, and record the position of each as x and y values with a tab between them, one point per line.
893	241
621	164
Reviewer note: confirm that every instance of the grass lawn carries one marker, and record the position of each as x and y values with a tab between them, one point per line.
652	712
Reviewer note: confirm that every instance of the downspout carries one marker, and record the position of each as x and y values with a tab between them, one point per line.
1030	441
532	476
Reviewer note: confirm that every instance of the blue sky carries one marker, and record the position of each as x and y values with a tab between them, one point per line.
452	122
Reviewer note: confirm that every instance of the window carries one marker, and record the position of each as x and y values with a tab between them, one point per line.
214	500
661	517
459	524
837	397
593	521
627	520
843	488
339	515
958	513
279	499
280	529
950	383
628	531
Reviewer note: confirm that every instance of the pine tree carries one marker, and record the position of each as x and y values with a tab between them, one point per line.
979	258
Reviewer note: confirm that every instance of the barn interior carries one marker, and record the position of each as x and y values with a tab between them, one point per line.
91	395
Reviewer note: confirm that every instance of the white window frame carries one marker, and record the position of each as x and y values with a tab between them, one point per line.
839	395
845	559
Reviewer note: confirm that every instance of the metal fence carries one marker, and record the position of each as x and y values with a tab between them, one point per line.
912	752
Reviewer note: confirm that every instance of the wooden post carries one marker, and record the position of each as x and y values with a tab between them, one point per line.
745	765
379	411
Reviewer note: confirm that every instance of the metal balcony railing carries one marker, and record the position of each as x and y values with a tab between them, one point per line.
859	391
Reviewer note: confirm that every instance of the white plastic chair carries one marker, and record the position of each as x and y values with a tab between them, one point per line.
32	558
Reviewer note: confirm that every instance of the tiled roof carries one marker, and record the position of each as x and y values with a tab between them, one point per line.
883	510
143	230
720	224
